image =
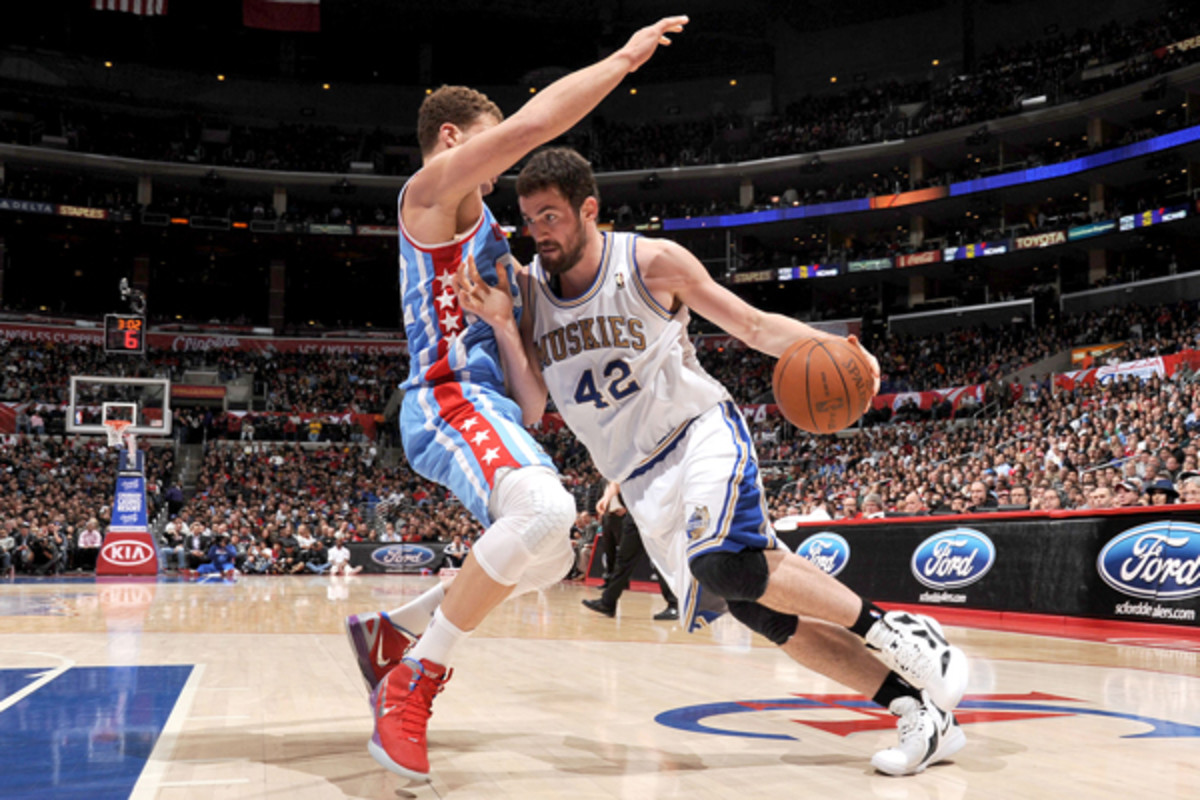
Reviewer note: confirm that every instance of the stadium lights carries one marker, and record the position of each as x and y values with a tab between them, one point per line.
633	90
325	86
108	64
733	82
833	79
937	62
220	77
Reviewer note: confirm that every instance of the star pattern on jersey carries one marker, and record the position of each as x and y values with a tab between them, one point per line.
449	313
490	455
471	422
480	437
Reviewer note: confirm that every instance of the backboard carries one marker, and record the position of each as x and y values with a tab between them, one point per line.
144	401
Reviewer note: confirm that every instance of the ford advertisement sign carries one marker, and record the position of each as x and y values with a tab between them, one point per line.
828	551
403	557
1160	560
953	559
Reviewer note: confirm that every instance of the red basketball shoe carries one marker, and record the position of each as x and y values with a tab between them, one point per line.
378	644
402	703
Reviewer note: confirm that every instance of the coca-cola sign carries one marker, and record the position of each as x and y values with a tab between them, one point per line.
916	259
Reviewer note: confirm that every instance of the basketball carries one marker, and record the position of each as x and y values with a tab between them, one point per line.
823	385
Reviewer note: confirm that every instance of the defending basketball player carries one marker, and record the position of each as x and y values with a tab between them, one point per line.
459	425
606	317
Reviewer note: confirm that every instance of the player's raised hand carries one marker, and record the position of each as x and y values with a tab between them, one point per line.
492	304
642	44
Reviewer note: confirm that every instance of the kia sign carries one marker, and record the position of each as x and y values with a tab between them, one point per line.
403	557
1159	560
828	551
953	559
127	553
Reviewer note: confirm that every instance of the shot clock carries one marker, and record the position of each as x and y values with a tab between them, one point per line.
124	333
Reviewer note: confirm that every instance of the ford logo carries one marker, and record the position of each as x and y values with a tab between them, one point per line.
127	553
398	557
828	551
1159	560
953	559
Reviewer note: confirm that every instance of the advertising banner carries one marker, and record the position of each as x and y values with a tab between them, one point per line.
25	206
397	557
916	259
1154	216
1094	229
869	265
1047	239
202	342
82	212
805	271
196	392
1142	566
978	250
758	276
908	198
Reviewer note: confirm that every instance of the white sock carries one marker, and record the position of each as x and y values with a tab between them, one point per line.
414	616
439	639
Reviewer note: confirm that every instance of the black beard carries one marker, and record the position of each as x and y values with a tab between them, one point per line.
563	261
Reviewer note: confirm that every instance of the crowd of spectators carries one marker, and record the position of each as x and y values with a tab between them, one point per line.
1123	443
264	502
55	490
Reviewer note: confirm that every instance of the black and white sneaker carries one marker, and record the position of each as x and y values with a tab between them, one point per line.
914	646
927	735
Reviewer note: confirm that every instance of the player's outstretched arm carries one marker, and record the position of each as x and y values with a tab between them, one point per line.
674	275
448	178
494	305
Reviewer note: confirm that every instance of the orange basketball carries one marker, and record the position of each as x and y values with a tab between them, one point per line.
823	385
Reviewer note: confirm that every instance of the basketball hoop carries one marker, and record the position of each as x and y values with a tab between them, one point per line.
115	430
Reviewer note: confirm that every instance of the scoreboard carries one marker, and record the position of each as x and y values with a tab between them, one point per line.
125	333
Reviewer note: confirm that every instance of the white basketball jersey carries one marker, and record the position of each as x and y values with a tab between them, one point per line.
619	366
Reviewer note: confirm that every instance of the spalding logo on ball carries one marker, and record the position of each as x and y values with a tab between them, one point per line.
823	385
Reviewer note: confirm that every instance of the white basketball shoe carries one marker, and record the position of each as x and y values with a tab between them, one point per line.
914	647
927	735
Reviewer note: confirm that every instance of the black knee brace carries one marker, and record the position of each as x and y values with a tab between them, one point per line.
734	576
774	625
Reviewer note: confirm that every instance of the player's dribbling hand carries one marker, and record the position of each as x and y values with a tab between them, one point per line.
642	44
874	362
492	304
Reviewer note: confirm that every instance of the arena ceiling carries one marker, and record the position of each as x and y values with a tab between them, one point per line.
401	41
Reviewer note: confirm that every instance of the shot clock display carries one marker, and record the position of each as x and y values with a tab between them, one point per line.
124	333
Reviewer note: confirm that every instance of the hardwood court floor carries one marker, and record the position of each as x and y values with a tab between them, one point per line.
178	690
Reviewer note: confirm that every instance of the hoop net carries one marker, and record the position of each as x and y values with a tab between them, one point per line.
115	430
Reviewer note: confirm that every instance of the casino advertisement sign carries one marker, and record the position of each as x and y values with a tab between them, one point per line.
1142	566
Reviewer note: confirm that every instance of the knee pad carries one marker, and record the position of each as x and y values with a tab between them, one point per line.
546	570
734	576
533	513
776	626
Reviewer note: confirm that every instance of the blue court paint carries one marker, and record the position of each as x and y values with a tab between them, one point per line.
86	734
